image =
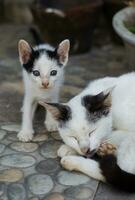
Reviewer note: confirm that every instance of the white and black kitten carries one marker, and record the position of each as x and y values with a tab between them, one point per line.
43	74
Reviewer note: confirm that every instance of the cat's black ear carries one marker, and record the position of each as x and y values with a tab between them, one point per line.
63	51
25	51
60	112
98	103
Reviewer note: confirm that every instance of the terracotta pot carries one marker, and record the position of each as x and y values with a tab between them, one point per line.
126	16
75	20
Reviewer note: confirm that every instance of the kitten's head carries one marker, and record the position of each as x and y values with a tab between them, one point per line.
84	122
44	65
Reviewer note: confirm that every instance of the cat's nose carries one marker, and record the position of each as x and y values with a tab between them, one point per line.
45	84
90	153
84	150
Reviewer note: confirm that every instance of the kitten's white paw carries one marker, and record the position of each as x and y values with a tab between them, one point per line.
65	150
68	163
25	136
51	125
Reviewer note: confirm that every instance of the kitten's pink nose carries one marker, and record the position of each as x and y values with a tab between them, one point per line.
45	84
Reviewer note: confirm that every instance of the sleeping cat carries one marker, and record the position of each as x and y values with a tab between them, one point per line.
103	113
43	74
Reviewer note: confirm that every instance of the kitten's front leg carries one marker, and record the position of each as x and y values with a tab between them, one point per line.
50	123
65	150
87	166
26	133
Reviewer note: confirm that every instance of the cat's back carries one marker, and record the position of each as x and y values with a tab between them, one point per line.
124	90
123	102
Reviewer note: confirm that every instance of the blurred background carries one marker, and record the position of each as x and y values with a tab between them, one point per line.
84	22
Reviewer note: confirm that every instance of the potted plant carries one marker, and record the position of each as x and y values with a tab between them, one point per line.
60	19
124	25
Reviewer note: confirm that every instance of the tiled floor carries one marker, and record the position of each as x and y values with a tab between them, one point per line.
32	170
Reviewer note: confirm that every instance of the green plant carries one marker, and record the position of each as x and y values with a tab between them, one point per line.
130	27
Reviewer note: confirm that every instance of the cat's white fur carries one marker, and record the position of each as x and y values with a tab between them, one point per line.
34	90
117	128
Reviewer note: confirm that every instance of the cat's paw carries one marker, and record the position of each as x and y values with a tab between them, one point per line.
25	136
51	125
65	150
68	162
105	149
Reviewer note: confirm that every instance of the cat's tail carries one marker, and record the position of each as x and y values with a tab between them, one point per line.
115	176
36	35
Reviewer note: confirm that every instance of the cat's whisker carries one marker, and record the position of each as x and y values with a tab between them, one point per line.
105	141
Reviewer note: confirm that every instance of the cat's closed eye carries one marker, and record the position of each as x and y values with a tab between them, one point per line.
36	73
91	132
74	138
53	73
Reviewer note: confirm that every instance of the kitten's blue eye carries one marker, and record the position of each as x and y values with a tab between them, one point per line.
36	73
53	73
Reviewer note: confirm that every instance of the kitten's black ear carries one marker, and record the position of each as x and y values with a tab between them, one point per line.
25	51
99	102
60	112
63	51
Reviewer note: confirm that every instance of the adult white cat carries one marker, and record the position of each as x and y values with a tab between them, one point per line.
96	115
43	74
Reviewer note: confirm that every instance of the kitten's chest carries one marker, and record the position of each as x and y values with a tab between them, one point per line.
38	93
43	94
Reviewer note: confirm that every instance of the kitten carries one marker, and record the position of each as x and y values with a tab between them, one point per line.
95	116
43	74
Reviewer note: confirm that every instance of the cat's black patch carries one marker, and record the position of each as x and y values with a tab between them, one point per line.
54	55
35	55
64	112
115	176
95	106
29	65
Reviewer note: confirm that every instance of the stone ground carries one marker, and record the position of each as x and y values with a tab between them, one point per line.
32	170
